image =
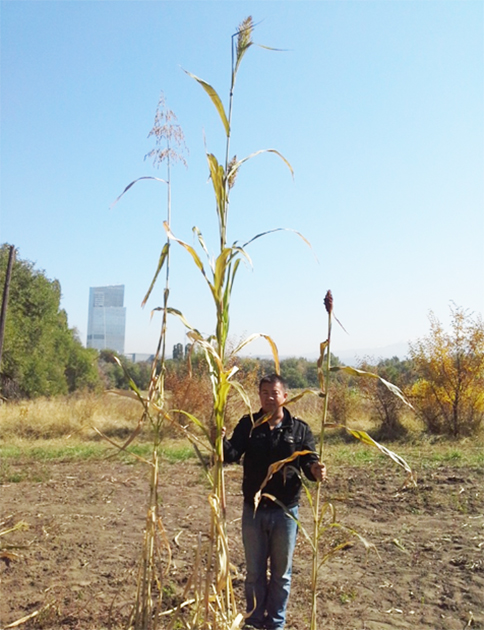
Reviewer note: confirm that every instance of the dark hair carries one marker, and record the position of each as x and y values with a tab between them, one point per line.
271	379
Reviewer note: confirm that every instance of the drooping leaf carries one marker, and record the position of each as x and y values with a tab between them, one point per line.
254	238
327	506
123	447
243	394
189	249
366	439
368	545
356	372
322	349
305	533
132	384
193	438
237	249
193	419
264	418
201	240
207	347
238	164
274	468
163	181
233	370
161	261
270	48
300	395
272	344
179	314
215	100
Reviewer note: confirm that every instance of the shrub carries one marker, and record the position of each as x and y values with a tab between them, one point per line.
449	392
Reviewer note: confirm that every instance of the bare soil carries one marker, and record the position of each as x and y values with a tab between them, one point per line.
85	528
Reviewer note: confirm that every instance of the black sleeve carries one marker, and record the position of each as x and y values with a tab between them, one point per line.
308	445
236	446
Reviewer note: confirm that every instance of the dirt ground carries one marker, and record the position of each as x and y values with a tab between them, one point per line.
86	520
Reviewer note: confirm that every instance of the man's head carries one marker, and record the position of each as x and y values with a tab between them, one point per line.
272	392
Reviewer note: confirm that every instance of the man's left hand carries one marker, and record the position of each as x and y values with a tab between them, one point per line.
318	471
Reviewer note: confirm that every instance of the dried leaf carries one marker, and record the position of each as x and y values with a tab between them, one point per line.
275	353
276	467
356	372
237	165
133	183
215	100
161	261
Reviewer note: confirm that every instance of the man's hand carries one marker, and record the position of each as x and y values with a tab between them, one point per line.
318	471
213	433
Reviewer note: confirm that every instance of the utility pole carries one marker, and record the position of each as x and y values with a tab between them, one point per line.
3	312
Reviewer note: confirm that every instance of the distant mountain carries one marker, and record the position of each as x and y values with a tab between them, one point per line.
353	356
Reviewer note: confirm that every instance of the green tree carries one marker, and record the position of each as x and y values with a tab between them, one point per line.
41	354
294	372
344	400
81	370
116	376
386	408
301	373
449	392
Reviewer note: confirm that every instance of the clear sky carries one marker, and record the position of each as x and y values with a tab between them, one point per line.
378	106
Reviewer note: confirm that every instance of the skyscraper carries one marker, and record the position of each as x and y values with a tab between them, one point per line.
106	324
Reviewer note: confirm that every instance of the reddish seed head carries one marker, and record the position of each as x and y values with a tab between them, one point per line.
328	302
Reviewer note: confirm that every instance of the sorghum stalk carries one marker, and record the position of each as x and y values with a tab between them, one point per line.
328	303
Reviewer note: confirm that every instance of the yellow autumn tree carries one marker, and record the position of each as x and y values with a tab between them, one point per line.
449	392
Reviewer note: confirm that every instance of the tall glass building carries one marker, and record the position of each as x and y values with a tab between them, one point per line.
106	324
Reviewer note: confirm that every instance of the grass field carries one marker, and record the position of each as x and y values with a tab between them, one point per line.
64	429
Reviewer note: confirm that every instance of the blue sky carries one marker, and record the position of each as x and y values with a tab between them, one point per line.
378	106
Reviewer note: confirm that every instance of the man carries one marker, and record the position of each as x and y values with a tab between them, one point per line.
268	532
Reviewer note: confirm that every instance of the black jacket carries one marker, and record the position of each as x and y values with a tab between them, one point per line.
262	447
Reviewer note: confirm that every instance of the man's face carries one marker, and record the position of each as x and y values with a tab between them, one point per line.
272	396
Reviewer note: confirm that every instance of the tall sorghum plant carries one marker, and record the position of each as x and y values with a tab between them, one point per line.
155	556
209	594
216	608
324	514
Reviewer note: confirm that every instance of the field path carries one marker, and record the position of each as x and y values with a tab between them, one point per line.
86	519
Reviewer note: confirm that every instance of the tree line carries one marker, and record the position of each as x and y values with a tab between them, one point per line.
443	375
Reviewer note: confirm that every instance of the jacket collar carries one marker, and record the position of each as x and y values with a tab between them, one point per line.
287	420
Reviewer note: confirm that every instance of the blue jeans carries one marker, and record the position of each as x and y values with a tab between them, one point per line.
268	535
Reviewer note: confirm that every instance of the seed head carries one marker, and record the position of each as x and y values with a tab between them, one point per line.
232	175
169	137
328	302
244	36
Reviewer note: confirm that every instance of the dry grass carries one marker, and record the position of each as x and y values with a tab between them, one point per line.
51	418
116	417
64	422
